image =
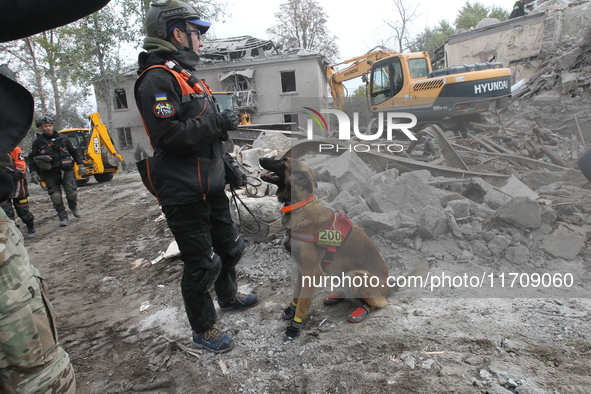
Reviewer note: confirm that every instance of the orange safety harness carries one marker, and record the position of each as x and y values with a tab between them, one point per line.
331	237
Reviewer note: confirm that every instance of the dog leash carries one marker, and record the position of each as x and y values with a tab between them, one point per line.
236	198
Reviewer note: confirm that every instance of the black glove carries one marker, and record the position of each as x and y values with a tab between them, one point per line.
81	170
230	119
234	175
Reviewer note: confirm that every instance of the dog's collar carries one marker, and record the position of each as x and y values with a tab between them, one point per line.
293	207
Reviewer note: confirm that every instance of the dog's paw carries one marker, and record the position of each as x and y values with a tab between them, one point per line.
289	312
292	332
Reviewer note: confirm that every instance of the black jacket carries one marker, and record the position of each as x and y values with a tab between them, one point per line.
57	146
184	131
518	9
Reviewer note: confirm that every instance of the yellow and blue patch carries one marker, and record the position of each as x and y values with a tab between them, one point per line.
160	97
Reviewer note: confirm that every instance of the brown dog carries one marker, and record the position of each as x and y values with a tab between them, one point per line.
356	258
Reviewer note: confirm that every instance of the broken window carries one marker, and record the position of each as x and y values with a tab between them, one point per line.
120	99
289	118
125	141
288	82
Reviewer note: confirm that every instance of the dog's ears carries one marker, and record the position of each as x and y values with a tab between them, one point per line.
303	180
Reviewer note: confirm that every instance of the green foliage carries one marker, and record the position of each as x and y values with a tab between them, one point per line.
470	14
302	24
499	13
432	38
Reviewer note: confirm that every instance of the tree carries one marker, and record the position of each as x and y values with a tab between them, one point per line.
432	38
401	26
499	13
302	24
470	14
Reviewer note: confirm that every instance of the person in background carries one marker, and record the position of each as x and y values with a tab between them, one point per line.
53	162
21	192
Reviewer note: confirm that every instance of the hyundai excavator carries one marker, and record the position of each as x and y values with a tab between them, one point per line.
405	82
96	149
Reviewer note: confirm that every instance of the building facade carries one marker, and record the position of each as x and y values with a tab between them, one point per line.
270	86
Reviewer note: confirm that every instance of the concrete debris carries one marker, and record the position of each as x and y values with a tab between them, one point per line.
564	243
522	212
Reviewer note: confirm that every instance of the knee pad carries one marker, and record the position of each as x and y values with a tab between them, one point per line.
56	198
201	275
232	253
72	195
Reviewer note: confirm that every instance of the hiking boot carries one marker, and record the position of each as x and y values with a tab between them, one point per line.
76	212
240	301
31	233
213	340
63	216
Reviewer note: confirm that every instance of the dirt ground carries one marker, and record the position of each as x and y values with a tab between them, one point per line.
122	320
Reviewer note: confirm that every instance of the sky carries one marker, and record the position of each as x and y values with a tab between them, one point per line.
358	25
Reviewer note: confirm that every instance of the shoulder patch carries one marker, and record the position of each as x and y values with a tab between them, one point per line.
160	97
163	109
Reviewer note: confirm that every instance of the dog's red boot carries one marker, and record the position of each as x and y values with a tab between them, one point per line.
359	314
333	299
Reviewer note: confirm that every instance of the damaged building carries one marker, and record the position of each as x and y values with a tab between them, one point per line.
265	83
522	43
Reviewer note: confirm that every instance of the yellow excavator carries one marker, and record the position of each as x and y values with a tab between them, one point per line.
97	150
405	82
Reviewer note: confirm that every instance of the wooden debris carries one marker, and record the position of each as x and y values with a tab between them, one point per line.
554	157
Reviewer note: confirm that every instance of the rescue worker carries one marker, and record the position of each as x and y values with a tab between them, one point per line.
31	361
186	173
21	192
53	162
518	9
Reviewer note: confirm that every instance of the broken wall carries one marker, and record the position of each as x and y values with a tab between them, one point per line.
517	42
506	41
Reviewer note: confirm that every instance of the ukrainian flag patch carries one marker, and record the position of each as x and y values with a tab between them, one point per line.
160	97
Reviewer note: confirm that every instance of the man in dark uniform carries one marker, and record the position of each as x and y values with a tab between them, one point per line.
53	159
518	9
186	173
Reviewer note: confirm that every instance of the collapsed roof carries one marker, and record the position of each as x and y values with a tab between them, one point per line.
237	48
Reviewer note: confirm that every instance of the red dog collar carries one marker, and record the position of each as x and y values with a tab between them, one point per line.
297	205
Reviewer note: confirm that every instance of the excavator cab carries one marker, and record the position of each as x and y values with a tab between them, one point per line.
387	82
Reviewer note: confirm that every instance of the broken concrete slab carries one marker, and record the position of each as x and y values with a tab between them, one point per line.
498	244
564	243
518	255
326	191
480	191
565	61
349	167
374	222
446	196
546	99
407	194
521	212
515	188
460	208
549	215
274	140
569	82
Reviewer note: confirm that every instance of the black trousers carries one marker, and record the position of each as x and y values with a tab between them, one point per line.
21	205
204	232
54	180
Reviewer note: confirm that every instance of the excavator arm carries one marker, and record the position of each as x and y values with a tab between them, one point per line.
99	135
359	66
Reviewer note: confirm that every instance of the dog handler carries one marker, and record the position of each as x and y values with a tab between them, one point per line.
186	173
